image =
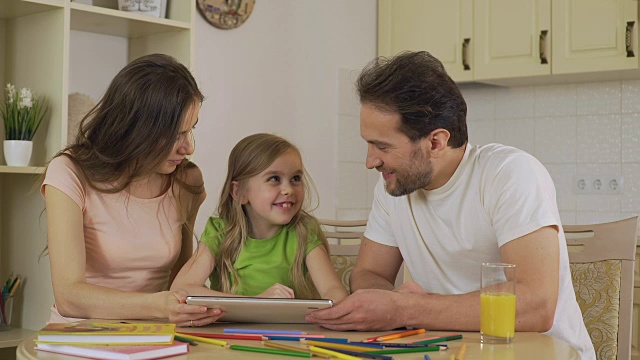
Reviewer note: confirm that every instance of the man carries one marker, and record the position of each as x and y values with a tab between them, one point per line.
444	207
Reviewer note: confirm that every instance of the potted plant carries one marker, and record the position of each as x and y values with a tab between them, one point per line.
22	115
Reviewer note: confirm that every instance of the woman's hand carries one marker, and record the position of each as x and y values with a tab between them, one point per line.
278	291
182	314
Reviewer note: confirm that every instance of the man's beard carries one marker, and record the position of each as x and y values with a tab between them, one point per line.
417	174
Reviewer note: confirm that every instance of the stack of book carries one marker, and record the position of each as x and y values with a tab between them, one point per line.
111	341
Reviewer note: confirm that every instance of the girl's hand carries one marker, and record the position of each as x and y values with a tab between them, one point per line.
278	291
182	314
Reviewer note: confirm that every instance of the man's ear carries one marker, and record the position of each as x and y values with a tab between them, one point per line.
235	192
437	141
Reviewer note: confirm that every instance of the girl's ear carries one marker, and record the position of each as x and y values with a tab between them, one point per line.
235	192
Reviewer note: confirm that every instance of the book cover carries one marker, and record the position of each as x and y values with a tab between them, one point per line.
118	352
106	333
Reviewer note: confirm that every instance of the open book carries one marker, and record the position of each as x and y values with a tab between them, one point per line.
118	352
106	333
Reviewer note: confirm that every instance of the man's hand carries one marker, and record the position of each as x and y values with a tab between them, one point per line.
410	288
364	310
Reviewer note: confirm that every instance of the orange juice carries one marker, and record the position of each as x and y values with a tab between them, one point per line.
498	314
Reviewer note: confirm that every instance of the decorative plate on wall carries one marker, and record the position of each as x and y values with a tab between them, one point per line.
226	14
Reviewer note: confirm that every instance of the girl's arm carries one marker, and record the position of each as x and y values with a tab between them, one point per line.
324	276
77	298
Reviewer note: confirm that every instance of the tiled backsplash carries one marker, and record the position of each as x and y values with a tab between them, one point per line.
573	129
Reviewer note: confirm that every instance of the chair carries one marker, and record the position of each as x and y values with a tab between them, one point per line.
347	235
601	258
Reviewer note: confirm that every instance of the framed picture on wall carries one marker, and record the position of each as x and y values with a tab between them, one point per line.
226	14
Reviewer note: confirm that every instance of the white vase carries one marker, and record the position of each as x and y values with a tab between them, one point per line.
17	152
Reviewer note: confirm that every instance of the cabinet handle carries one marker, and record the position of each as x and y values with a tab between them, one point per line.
542	46
465	53
628	38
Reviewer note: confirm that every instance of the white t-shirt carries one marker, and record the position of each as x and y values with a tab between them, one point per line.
497	194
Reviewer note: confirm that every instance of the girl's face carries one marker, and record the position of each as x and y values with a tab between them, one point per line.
184	145
275	195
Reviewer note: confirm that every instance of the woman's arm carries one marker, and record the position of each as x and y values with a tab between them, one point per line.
77	298
187	237
324	276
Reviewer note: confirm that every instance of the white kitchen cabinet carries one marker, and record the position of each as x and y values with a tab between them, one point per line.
594	35
442	27
511	38
34	52
518	42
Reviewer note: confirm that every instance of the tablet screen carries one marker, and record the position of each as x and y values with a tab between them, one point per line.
261	310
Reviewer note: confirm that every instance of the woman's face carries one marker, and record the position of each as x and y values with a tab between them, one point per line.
184	144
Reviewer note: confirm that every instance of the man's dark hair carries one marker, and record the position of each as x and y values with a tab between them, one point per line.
416	86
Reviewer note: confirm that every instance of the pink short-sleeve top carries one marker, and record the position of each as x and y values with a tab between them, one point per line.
131	243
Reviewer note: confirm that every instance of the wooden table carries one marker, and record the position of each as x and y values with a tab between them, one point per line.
525	346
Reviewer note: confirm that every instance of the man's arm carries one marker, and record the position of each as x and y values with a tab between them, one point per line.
376	267
536	256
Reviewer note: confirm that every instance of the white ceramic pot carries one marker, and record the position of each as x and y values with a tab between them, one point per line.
17	152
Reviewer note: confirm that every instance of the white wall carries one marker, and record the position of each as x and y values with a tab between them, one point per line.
94	60
573	129
585	129
279	73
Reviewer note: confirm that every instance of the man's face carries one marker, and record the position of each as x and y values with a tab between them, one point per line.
405	165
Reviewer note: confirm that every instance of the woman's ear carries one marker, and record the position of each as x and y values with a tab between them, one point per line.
235	192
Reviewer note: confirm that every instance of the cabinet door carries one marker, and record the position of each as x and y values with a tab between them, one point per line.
511	38
441	27
594	35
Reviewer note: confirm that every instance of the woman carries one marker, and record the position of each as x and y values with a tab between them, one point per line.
122	200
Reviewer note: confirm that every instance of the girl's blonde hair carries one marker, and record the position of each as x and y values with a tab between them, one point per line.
250	157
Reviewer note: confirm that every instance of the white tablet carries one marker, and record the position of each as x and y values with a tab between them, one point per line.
261	310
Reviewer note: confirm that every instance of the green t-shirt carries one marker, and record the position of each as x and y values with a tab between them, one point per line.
262	262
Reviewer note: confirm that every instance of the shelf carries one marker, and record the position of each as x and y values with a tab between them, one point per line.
14	337
30	170
10	9
101	20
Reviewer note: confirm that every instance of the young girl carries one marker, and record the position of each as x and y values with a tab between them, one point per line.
122	199
264	243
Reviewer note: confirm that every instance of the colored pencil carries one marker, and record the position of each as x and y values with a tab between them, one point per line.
185	340
290	337
404	350
226	336
386	345
332	340
437	339
396	335
276	345
262	332
461	352
269	351
426	357
338	346
364	355
204	340
335	354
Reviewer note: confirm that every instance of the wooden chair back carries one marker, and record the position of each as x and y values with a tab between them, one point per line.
601	258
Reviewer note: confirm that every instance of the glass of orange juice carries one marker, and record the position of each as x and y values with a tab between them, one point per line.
497	303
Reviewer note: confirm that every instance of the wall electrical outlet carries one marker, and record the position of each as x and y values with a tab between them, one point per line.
599	184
